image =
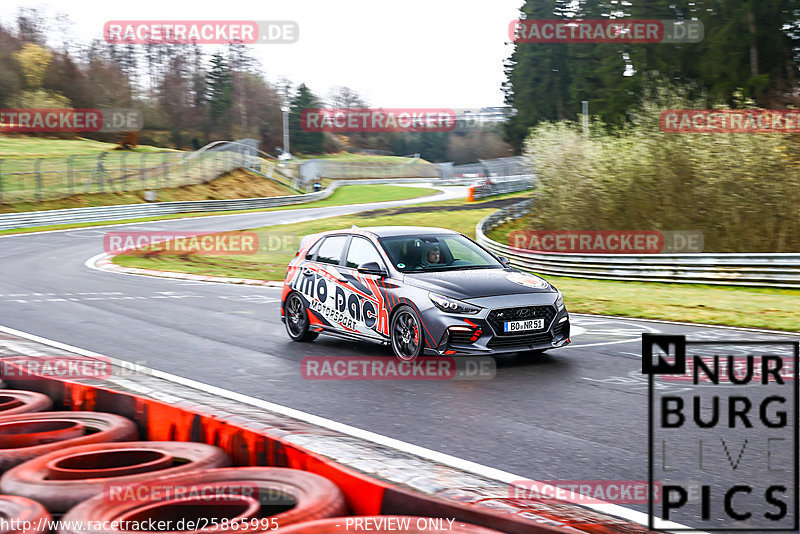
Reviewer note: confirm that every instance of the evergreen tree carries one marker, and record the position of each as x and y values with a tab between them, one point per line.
218	85
219	91
749	45
303	142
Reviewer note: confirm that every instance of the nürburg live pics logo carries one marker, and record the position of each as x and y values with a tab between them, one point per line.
722	434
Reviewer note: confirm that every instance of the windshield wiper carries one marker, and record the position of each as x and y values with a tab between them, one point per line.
465	267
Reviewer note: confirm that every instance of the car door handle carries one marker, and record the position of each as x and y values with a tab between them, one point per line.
343	281
306	272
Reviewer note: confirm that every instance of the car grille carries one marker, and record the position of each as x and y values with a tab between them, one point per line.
497	317
561	330
519	341
461	338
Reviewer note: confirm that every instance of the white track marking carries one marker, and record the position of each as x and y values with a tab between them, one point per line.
698	325
91	263
428	454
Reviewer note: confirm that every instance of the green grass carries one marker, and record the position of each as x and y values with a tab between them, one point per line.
349	194
36	168
774	309
279	243
364	194
35	147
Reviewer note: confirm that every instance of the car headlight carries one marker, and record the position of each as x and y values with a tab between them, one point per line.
452	305
559	303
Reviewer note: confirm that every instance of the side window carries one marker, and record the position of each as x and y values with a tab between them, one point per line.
313	250
331	249
362	251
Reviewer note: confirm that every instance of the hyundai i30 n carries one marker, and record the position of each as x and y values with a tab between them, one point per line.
422	290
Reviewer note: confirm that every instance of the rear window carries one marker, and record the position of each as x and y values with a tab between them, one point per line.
331	249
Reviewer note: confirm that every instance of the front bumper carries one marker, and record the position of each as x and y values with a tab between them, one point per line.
481	334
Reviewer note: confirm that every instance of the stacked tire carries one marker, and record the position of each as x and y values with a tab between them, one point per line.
234	499
84	466
62	479
14	401
16	511
29	435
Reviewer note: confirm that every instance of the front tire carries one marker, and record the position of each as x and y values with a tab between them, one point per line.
297	323
406	334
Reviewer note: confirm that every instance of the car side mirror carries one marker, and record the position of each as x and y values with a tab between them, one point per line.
371	267
504	261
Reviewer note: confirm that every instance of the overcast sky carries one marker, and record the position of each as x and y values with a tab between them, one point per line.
400	53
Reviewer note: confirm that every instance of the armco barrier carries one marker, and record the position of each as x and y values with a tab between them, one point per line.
168	408
504	185
747	269
31	219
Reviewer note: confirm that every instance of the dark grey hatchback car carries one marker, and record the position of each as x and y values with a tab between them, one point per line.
422	290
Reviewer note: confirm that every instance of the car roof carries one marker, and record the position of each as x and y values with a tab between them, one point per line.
392	231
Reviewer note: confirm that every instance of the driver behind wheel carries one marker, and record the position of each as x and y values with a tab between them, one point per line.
433	257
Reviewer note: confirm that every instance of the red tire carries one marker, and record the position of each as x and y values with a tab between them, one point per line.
67	429
16	401
262	497
61	479
385	524
19	509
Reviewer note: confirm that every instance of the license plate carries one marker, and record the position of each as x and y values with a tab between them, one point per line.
520	326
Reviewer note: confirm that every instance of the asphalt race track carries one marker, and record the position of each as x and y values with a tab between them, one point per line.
578	413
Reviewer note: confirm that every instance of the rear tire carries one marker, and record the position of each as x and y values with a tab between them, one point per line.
297	323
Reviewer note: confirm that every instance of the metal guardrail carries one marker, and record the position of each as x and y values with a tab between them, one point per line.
740	269
503	185
334	169
495	167
30	219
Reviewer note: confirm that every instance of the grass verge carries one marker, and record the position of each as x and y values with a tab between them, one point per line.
235	184
277	244
22	146
774	309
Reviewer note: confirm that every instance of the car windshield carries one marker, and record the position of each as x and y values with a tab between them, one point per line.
416	254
